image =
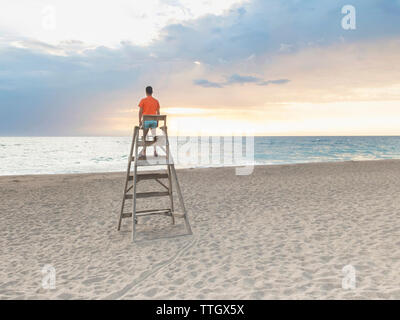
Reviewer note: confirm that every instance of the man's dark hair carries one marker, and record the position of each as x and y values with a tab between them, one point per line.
149	90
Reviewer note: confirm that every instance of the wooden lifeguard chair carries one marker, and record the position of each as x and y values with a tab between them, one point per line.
133	177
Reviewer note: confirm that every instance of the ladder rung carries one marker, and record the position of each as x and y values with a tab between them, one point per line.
148	176
147	194
153	212
153	161
152	194
147	212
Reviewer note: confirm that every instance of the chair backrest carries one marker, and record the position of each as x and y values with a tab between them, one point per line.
157	117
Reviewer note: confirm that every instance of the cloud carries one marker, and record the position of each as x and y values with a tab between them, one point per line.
55	94
238	79
274	27
59	88
279	81
206	84
127	20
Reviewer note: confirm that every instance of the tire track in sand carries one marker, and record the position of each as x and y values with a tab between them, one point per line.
121	293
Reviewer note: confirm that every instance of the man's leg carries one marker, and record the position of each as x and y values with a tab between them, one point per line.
153	133
143	152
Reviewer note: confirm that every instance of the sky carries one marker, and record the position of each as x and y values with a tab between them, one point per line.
269	67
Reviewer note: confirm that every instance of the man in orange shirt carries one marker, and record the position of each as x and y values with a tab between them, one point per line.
149	106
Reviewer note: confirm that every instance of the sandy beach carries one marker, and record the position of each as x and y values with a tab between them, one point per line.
283	232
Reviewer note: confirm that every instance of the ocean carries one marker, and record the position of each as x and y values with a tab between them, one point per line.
56	155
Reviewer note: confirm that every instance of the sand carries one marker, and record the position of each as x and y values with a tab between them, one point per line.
284	232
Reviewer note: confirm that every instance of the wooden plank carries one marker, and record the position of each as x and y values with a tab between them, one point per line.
162	213
142	213
154	210
157	117
148	194
152	194
152	161
149	176
135	132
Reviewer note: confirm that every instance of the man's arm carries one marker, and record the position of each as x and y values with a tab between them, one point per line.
158	112
140	116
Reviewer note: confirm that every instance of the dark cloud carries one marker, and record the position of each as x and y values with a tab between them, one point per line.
45	94
278	81
206	84
238	79
274	26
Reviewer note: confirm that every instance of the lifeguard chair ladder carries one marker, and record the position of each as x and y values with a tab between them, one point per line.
132	178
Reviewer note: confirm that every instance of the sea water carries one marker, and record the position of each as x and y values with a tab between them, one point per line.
55	155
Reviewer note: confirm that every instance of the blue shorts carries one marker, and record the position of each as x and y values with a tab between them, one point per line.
150	124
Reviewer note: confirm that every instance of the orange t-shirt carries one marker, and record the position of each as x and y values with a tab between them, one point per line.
149	105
